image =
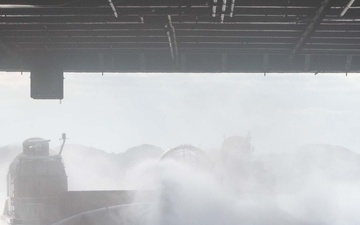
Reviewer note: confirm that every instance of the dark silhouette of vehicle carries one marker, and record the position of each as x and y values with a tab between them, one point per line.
35	181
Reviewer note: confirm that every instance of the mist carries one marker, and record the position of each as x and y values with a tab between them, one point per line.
315	184
115	112
285	180
302	189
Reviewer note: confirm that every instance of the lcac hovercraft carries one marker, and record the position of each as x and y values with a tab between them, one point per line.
37	189
35	181
38	193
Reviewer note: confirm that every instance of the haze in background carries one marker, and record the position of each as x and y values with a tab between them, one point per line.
315	184
115	112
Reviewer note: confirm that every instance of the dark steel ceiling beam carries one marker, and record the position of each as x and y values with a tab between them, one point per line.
60	3
150	19
192	10
189	50
146	39
319	34
158	33
310	28
155	2
181	38
210	45
257	27
208	26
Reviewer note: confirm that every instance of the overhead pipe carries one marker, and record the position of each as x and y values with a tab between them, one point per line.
214	8
224	6
170	42
348	6
113	8
223	11
232	8
214	11
176	55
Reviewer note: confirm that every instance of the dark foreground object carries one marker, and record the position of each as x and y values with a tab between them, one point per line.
38	189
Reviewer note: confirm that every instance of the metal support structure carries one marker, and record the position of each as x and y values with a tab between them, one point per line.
348	6
310	28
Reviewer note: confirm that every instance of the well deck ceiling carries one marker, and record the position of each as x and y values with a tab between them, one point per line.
182	35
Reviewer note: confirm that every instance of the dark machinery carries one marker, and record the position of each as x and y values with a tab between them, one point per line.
37	189
35	181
